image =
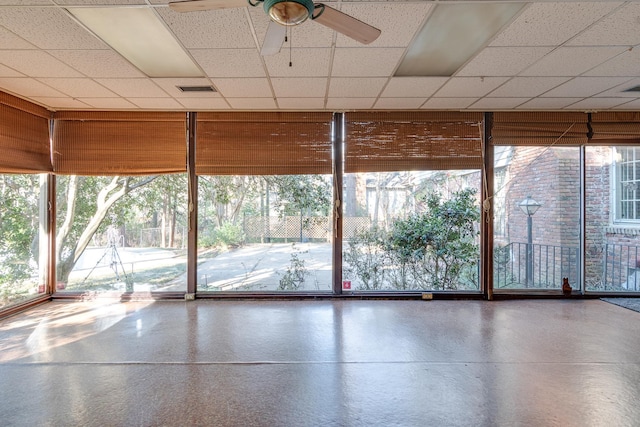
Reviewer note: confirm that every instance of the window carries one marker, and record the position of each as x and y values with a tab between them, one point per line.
627	181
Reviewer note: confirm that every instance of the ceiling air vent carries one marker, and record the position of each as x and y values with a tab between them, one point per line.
197	88
633	89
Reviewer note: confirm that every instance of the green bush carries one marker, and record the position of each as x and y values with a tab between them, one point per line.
433	249
228	235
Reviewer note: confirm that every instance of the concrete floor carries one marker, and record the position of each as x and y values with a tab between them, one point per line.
321	363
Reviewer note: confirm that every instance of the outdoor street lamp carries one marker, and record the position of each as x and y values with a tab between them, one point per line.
529	207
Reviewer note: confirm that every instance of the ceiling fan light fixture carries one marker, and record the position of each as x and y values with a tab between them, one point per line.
289	12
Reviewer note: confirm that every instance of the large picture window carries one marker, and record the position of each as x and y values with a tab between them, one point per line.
627	184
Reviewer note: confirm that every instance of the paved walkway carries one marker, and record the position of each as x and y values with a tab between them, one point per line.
260	267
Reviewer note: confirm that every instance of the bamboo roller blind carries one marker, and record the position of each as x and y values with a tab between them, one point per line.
398	141
264	143
539	128
24	136
119	143
623	126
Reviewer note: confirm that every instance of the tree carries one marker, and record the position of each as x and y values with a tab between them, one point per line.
19	225
82	207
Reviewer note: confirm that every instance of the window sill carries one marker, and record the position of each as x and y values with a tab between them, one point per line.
626	229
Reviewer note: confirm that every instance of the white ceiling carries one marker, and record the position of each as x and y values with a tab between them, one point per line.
553	56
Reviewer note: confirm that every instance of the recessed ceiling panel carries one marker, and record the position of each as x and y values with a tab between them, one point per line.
528	86
452	35
252	103
244	88
309	62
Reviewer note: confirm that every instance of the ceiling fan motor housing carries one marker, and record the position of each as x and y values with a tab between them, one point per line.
289	12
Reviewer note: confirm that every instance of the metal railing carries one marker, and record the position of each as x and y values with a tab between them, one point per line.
523	266
621	267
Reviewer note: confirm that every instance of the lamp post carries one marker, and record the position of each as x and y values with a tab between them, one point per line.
529	207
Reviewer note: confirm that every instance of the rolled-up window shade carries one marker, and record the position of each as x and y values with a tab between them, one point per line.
119	143
539	128
616	127
24	136
263	143
400	141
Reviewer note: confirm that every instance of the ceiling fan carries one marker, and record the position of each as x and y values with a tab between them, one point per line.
286	13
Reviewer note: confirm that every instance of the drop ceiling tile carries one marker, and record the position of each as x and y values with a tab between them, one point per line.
301	103
309	62
571	61
156	103
244	88
61	103
29	88
398	23
108	103
619	28
102	2
97	63
633	105
252	103
229	62
527	86
48	28
619	91
469	86
413	86
355	87
8	40
79	88
597	103
584	86
170	86
503	61
399	103
365	62
625	64
300	87
210	29
548	103
36	63
448	103
25	2
350	103
498	103
8	72
133	88
203	104
550	24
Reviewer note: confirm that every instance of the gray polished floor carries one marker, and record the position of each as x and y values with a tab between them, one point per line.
321	363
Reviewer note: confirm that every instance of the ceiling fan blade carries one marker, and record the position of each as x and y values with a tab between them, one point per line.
196	5
273	39
347	25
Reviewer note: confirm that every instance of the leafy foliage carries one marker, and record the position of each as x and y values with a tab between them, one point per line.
432	249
